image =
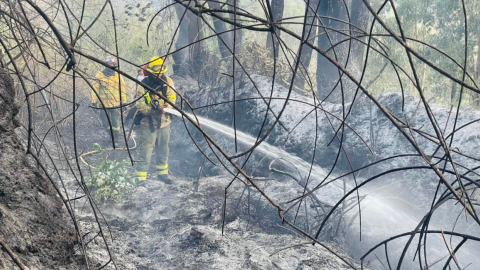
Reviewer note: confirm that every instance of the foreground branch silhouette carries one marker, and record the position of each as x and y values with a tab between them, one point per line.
34	42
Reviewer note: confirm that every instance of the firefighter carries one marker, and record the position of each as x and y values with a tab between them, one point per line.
153	123
106	85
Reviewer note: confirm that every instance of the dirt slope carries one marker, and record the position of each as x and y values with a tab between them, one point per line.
33	222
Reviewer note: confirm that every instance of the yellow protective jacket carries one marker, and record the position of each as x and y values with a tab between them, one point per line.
107	89
144	104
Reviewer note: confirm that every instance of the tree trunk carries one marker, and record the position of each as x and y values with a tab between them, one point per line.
327	74
239	33
453	93
475	96
306	53
277	10
197	52
359	18
224	39
189	59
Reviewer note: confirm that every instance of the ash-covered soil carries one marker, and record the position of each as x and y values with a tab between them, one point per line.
174	227
178	226
34	224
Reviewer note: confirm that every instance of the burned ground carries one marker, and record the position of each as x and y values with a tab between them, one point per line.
33	221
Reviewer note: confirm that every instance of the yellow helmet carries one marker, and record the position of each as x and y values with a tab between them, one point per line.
155	65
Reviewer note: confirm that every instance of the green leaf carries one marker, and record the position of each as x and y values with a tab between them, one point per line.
113	180
97	147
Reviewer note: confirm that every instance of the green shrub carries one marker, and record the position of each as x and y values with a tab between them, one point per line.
112	180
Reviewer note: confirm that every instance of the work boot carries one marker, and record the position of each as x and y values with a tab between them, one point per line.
164	178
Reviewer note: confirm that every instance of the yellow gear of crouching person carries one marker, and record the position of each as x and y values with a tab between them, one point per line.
109	87
152	123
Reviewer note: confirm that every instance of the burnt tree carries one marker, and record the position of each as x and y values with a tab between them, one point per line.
277	14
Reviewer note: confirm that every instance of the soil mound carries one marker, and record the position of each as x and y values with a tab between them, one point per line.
33	222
